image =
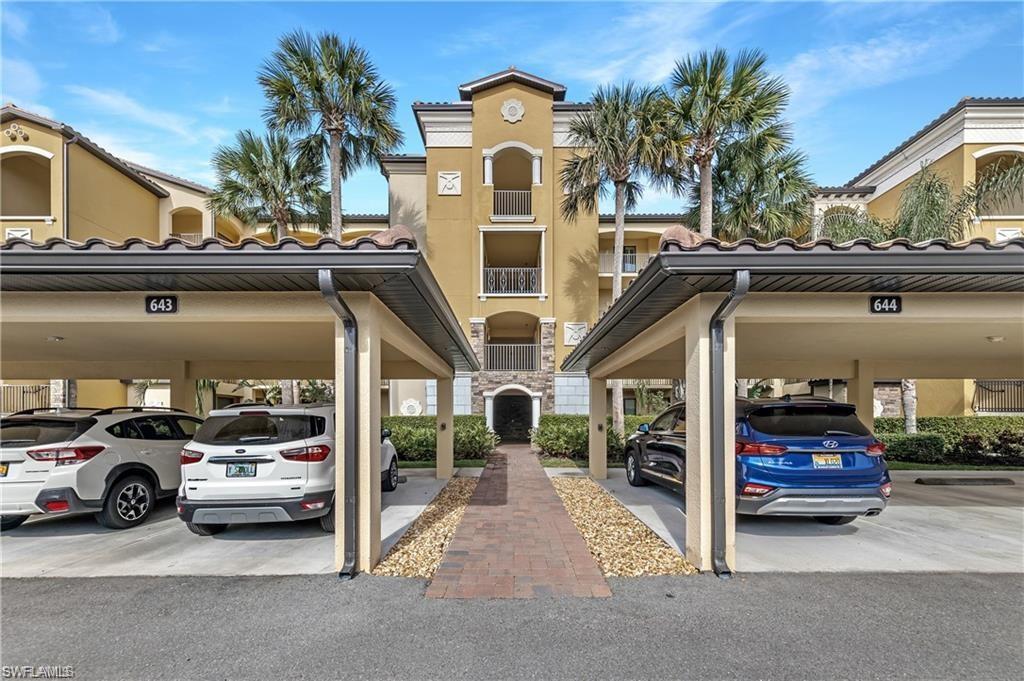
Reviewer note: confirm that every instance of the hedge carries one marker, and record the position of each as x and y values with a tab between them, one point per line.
919	448
415	437
568	435
953	429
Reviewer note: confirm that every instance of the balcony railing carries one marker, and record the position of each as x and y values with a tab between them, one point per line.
190	237
999	397
631	262
17	397
649	383
512	357
512	280
513	203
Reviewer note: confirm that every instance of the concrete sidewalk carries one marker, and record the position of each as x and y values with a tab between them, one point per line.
755	626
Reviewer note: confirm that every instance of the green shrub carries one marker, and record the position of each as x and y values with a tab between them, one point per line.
953	428
1004	449
415	437
919	448
631	423
568	435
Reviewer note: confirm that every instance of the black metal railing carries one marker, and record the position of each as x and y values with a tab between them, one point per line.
999	397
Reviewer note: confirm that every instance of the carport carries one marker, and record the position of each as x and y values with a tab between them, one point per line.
715	312
356	313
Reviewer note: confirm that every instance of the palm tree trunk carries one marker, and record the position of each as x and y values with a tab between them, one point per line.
618	419
706	199
908	395
335	157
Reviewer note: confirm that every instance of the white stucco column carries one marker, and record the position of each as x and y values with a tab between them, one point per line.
535	169
535	420
489	411
208	228
368	389
597	442
183	389
445	428
489	169
860	392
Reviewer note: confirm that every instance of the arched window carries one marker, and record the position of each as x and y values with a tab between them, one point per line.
25	179
994	160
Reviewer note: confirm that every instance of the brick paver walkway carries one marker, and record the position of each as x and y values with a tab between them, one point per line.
516	539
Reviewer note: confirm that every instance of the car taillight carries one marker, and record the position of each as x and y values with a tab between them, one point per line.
876	449
190	456
886	490
757	449
57	505
752	489
312	505
314	453
64	456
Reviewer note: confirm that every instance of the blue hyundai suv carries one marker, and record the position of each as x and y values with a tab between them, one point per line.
795	456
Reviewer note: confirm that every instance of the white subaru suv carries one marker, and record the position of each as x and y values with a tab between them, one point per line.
255	463
112	462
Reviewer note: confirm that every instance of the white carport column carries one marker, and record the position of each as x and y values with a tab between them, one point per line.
368	485
183	389
699	490
860	392
445	428
598	438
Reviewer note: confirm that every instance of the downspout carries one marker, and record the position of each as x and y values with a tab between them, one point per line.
66	190
350	397
740	287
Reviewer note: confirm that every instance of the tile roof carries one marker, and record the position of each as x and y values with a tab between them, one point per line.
363	243
827	245
167	177
962	104
510	75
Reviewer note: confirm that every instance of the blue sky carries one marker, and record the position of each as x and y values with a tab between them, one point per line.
163	84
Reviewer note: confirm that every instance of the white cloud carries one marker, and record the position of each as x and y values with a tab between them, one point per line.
123	149
218	108
120	105
23	86
15	23
95	24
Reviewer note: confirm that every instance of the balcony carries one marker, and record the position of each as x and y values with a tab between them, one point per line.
512	281
188	237
999	397
632	262
512	357
512	205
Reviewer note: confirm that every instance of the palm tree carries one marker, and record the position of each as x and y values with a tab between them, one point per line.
715	105
761	189
269	176
622	139
929	209
329	93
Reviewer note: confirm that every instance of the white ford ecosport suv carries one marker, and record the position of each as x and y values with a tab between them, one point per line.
255	463
112	462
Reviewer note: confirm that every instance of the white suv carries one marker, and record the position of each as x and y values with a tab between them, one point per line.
255	463
112	462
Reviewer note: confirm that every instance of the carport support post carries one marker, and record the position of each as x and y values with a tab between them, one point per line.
445	428
860	392
368	505
597	445
183	389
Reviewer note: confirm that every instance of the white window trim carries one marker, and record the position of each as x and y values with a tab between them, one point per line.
542	230
48	219
28	149
999	149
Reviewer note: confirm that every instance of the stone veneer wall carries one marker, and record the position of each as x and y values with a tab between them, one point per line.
537	381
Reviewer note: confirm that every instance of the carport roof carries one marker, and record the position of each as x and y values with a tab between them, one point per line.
394	271
679	272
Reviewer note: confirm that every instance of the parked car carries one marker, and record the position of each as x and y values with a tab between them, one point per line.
256	463
795	456
112	462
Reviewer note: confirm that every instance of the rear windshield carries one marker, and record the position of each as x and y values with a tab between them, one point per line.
807	421
255	429
30	432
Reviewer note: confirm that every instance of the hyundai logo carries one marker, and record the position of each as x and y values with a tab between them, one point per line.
830	444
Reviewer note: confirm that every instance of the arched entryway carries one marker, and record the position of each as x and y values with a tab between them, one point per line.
511	411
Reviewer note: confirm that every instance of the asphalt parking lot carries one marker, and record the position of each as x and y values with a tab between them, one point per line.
53	546
924	529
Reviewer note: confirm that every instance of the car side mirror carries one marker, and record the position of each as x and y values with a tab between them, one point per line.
643	428
385	433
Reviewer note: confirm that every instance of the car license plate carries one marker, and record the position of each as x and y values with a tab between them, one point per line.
241	470
3	470
827	460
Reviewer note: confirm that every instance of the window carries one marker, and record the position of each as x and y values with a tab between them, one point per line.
665	421
629	406
125	430
807	421
254	429
629	264
18	432
680	426
155	428
188	426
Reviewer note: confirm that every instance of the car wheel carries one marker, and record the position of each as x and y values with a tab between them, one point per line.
633	470
9	522
327	521
835	519
206	529
129	502
390	482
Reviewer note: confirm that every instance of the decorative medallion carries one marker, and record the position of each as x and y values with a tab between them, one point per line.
449	183
512	110
411	407
574	332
